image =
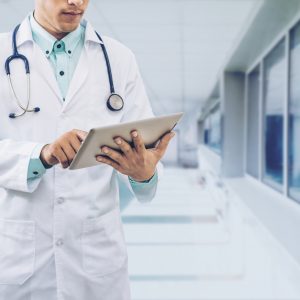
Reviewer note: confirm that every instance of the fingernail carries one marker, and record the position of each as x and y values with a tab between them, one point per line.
99	159
118	141
134	134
172	134
105	150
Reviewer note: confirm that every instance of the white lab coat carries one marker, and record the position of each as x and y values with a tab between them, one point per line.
61	236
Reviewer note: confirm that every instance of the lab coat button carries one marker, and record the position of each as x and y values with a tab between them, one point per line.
60	200
59	242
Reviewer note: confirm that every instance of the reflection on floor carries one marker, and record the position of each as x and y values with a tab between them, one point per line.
196	240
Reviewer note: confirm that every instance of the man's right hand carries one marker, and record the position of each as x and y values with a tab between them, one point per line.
63	150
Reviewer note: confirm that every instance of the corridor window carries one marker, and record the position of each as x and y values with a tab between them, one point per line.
215	132
252	122
294	115
274	92
206	130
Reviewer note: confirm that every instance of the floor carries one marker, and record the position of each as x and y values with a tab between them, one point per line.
197	240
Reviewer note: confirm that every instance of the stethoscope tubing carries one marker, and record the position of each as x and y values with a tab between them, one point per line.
17	55
109	72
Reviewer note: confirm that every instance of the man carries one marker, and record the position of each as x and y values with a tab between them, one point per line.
61	236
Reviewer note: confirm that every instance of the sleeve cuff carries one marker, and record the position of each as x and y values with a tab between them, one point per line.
146	183
36	169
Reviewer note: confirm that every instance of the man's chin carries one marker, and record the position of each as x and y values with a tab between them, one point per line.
66	28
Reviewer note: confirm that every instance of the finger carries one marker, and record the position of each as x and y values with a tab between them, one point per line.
138	142
69	152
80	134
163	143
53	160
75	144
114	155
125	147
109	162
61	157
47	155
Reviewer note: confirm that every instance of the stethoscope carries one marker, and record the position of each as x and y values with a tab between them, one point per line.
114	103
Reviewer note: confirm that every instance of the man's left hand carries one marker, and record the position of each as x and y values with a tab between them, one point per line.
137	162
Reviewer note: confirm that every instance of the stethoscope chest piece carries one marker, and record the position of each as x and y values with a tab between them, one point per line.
115	102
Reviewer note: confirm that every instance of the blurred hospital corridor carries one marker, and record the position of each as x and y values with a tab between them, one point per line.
198	240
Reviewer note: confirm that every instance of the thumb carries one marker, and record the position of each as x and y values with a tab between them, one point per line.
164	142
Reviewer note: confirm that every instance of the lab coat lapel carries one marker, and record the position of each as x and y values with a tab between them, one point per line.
44	69
37	59
79	77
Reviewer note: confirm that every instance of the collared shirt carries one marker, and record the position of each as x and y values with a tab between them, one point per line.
64	55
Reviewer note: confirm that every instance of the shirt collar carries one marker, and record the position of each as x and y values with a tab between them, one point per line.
72	39
42	37
47	41
25	33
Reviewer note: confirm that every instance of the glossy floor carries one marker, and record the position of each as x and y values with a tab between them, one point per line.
197	240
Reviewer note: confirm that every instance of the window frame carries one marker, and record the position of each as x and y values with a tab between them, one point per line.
289	84
247	99
276	186
213	108
285	34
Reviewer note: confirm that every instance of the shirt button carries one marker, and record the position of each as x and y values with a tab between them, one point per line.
47	52
59	242
35	173
69	51
58	46
61	73
60	200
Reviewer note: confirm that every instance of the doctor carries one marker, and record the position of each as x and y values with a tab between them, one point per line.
61	235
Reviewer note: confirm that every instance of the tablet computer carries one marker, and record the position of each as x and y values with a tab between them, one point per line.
151	130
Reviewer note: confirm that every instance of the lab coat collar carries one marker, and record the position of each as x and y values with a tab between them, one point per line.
90	34
25	32
44	68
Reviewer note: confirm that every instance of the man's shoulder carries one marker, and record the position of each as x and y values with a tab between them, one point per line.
117	47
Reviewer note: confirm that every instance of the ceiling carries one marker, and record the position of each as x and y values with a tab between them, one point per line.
180	45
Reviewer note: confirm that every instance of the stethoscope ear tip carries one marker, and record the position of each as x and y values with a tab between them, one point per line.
13	115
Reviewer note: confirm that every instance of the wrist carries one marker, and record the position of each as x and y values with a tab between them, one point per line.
143	180
43	160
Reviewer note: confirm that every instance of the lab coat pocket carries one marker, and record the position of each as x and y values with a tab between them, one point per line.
103	244
17	251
